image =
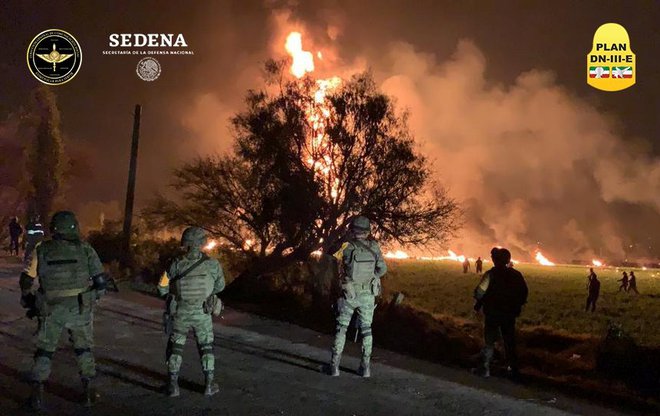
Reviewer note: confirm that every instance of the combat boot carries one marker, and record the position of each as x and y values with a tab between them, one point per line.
481	371
36	402
365	367
88	392
211	387
333	369
173	385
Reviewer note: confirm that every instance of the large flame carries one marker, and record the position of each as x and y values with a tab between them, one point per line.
597	263
543	260
319	153
303	61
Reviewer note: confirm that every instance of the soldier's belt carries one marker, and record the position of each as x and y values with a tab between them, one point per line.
66	293
362	286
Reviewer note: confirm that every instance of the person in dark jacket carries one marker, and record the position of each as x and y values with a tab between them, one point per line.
15	231
632	283
624	282
466	265
593	288
479	265
501	294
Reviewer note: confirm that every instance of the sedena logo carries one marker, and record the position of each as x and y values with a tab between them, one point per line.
54	57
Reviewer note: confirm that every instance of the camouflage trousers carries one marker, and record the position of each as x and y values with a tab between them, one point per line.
364	303
202	325
80	329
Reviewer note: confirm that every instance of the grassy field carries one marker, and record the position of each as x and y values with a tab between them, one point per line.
557	297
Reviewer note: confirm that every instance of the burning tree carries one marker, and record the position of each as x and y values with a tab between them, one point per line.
310	155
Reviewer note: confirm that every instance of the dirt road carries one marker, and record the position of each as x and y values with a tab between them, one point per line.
264	368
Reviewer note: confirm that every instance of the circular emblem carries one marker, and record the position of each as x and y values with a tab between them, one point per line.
148	69
54	57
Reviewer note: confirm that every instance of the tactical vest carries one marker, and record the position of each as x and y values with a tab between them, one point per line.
196	286
62	268
362	265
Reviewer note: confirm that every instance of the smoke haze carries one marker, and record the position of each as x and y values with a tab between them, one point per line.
496	94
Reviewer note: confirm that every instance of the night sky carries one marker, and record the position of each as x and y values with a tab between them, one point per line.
232	39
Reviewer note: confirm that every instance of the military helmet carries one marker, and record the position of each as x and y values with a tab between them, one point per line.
65	224
193	237
361	224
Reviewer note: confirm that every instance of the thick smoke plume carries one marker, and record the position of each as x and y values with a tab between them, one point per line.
534	166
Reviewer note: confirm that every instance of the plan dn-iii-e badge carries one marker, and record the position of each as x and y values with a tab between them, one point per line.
611	62
54	57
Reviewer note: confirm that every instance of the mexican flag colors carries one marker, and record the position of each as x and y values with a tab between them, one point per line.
599	72
622	72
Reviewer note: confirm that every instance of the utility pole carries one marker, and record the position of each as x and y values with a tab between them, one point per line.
130	190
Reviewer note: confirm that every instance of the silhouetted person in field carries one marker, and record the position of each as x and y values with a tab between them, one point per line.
466	265
15	231
501	293
632	283
593	288
624	282
479	264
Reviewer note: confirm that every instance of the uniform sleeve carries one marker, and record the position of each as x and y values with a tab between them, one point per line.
29	272
164	282
219	277
94	262
482	287
340	253
381	267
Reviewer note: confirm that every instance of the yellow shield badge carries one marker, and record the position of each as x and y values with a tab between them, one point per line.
611	62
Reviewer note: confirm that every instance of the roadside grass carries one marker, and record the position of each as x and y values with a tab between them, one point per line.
557	297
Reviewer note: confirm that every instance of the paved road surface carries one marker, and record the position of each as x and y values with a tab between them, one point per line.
264	368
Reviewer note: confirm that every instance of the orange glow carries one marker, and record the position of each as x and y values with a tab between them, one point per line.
303	61
451	255
319	153
543	260
210	245
397	255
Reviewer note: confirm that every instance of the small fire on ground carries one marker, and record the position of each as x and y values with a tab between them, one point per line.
397	255
542	260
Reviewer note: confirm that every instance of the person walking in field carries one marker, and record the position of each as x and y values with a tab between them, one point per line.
479	264
593	289
632	283
624	282
501	294
466	265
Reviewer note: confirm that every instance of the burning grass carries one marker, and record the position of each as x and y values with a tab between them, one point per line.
556	300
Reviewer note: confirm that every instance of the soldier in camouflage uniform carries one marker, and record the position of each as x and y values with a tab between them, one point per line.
362	266
71	278
193	281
